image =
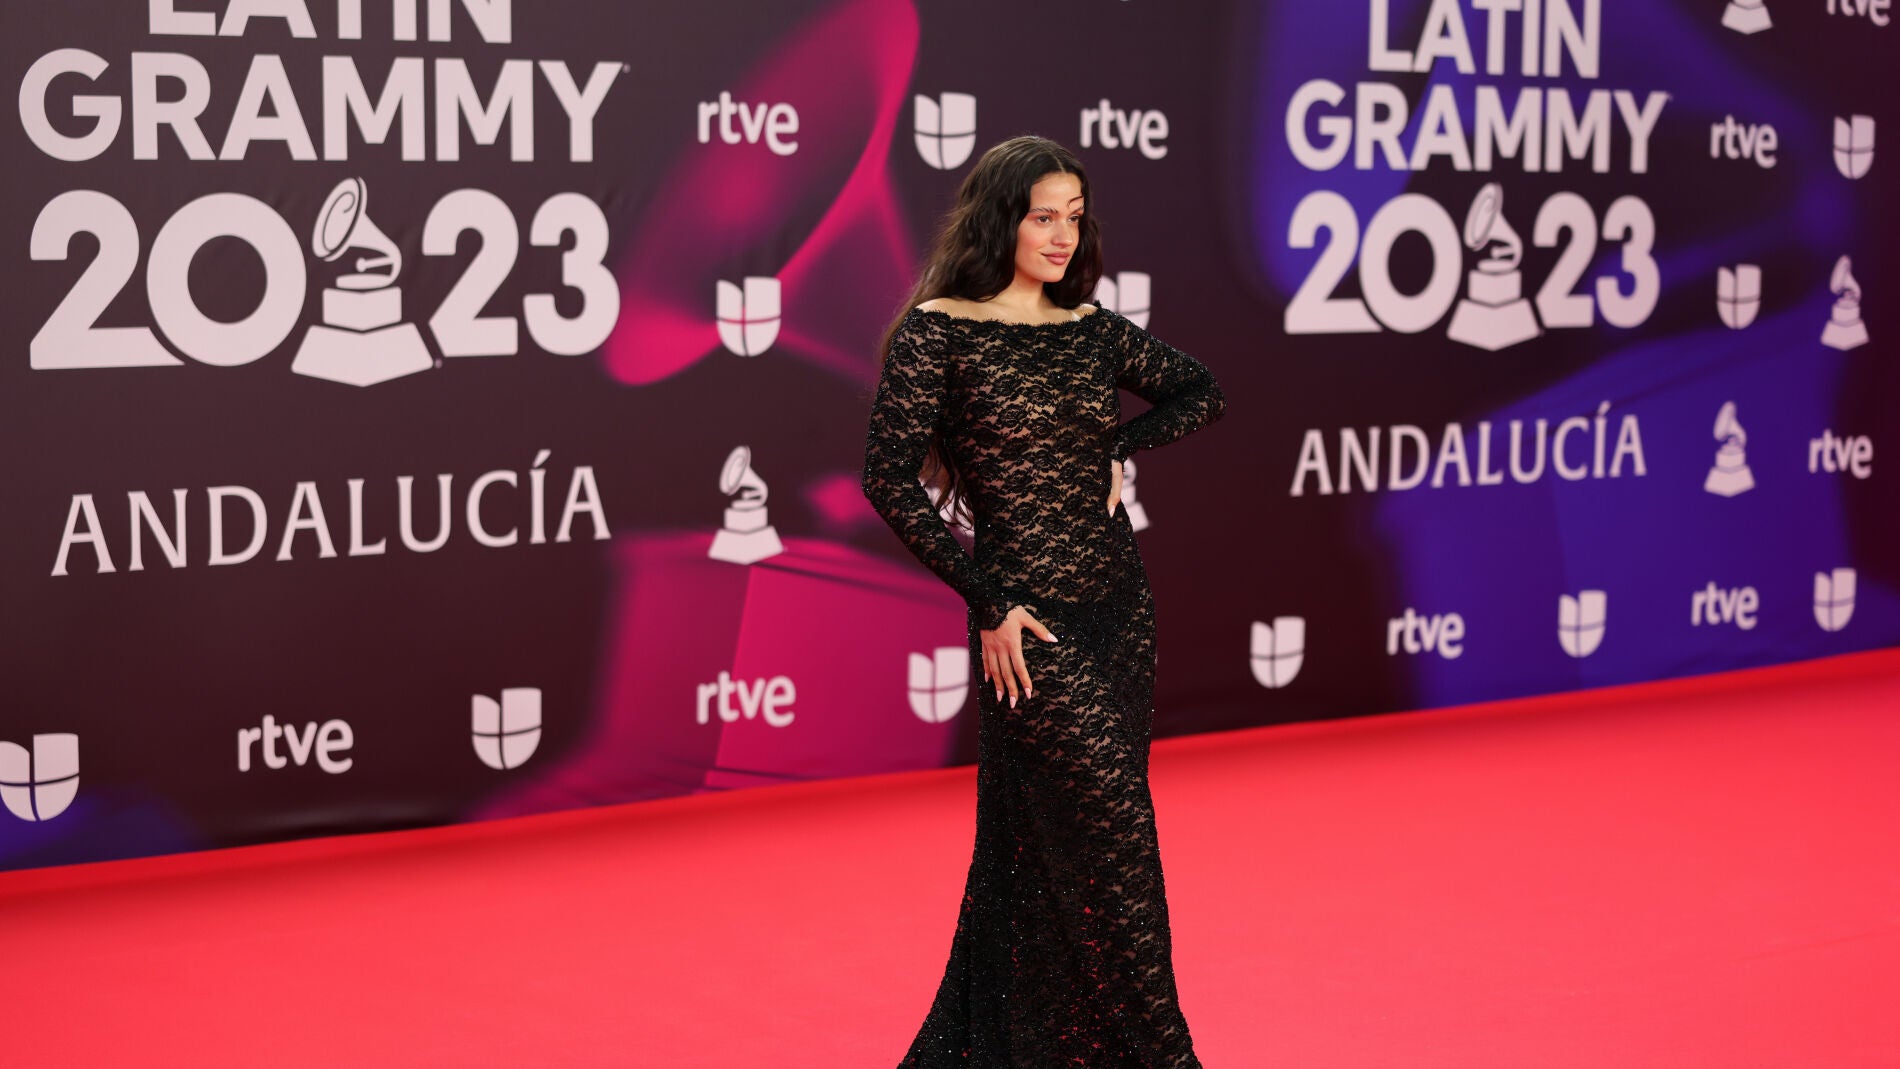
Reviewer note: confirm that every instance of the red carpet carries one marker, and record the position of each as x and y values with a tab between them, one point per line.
1702	873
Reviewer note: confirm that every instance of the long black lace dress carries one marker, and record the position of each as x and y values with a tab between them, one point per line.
1062	955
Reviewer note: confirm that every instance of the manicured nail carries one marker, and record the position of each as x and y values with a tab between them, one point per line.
1012	701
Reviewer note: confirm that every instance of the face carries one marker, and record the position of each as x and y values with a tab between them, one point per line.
1047	236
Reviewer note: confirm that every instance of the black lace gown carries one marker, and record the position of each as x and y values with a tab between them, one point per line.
1062	955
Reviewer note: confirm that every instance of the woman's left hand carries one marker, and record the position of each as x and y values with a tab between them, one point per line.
1115	485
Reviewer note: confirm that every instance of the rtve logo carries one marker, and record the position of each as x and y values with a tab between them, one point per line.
939	683
749	317
1416	633
1581	621
1834	454
1747	16
39	784
1738	295
1742	141
1834	598
1127	292
506	732
767	697
1874	11
1715	606
946	129
1111	127
1854	145
772	122
326	741
1277	650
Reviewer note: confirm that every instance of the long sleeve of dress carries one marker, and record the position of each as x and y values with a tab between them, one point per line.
1181	389
910	399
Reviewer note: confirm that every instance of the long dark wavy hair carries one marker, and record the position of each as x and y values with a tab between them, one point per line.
974	258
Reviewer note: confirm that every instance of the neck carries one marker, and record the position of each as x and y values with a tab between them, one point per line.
1024	294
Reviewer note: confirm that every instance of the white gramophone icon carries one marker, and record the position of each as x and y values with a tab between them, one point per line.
748	536
1494	314
1844	329
362	339
1747	16
1137	516
1730	475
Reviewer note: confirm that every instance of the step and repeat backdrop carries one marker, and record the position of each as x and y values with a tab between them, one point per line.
422	411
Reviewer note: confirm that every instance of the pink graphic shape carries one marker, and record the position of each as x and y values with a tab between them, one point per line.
838	622
839	502
850	66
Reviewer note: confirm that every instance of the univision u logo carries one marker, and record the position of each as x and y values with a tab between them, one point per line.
1278	650
1854	145
1581	620
1738	294
749	317
946	129
40	784
1834	598
1127	292
939	683
507	732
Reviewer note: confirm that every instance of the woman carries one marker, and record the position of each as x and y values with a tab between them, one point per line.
999	388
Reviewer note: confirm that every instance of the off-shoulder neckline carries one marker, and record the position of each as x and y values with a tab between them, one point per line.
1053	325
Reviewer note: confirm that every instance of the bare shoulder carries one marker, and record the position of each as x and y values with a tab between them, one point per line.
1086	309
955	306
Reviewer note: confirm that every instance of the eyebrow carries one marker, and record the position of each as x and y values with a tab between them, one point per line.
1051	211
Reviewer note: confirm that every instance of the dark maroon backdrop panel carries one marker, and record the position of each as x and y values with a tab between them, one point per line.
433	411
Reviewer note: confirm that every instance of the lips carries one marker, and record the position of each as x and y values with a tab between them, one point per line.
1057	257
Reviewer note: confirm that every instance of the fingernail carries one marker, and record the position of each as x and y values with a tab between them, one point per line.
1027	694
1012	701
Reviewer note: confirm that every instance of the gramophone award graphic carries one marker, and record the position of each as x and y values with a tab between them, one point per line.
1494	314
1844	329
362	340
748	536
1730	475
1747	16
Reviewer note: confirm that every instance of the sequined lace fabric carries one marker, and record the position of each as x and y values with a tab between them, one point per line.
1062	955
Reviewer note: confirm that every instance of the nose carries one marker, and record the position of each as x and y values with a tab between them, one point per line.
1064	236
